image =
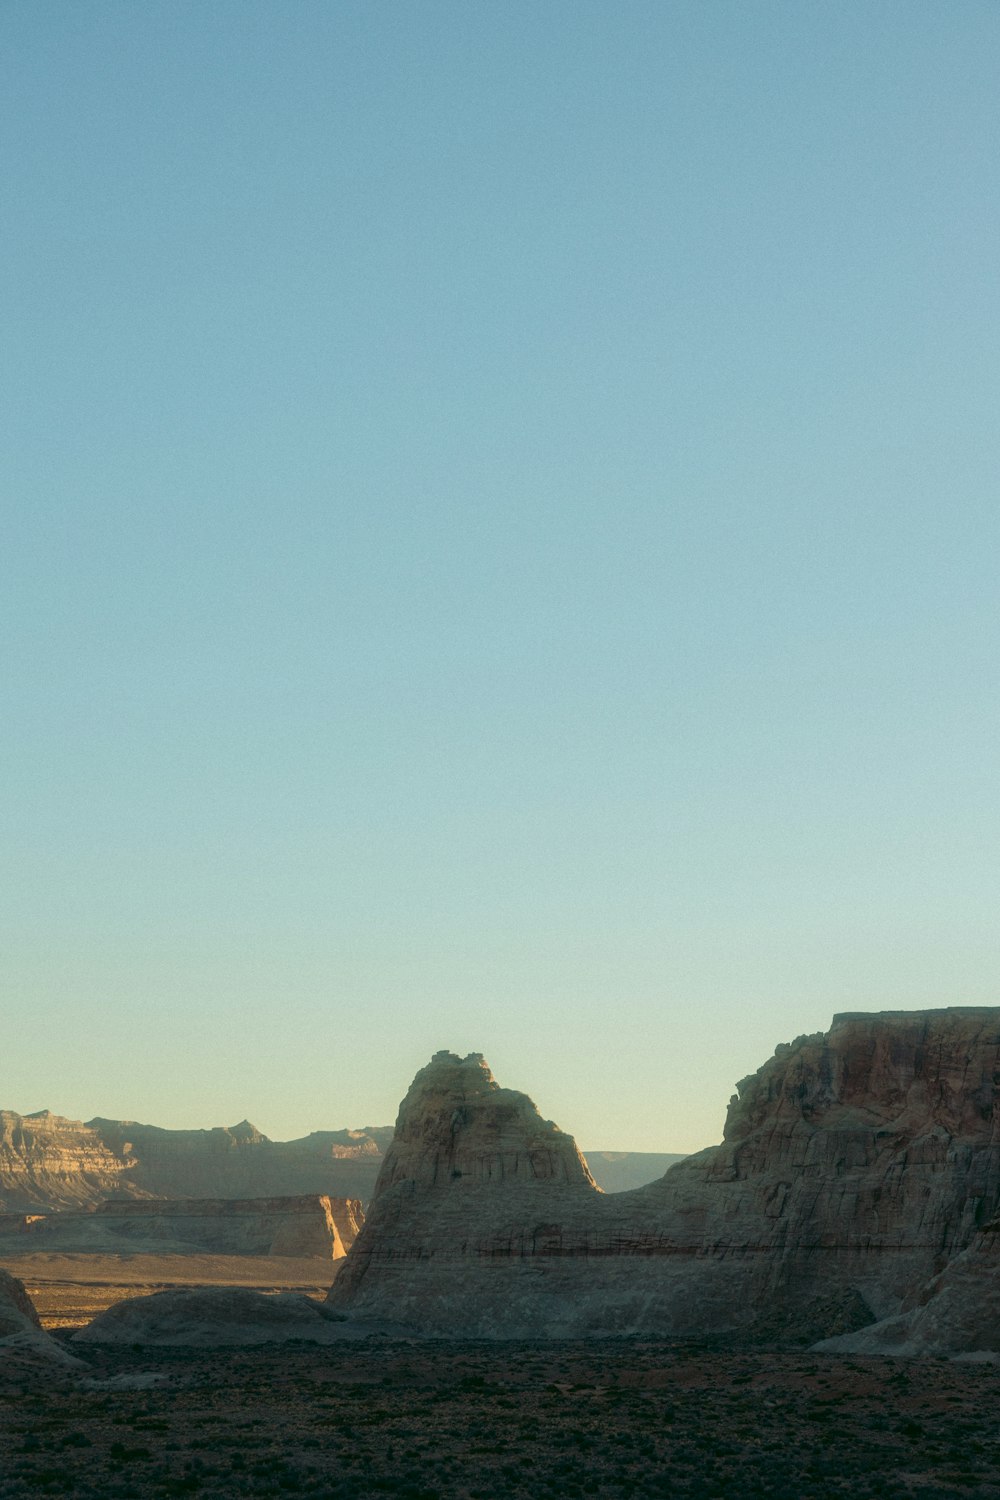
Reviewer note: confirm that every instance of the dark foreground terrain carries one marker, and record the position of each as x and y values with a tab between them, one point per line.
611	1419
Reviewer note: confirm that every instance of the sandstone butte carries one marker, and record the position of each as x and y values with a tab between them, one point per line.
854	1196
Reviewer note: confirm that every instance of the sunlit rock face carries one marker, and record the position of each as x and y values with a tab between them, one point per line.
854	1166
48	1163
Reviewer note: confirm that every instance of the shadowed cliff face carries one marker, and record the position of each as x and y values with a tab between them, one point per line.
855	1164
27	1354
17	1311
457	1125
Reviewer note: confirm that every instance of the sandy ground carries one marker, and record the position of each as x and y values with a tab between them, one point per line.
474	1422
70	1290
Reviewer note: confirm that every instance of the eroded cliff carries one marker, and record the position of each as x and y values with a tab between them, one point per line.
855	1165
49	1163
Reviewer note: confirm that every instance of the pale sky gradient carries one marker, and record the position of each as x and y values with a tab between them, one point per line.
499	547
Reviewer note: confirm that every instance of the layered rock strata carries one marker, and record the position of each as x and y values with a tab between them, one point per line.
854	1167
307	1225
49	1163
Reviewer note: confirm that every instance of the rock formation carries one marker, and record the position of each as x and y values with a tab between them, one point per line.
49	1163
308	1225
956	1313
855	1167
213	1317
458	1125
17	1311
24	1348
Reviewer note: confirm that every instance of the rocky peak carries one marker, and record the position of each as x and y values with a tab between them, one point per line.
458	1127
856	1167
910	1071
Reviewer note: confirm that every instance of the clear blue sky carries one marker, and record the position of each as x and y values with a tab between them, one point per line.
499	547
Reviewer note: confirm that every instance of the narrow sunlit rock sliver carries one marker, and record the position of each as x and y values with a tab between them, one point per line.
853	1197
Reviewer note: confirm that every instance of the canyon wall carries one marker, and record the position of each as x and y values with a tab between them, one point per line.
49	1163
855	1166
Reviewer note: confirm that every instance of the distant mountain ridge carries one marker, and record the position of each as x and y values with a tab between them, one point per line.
48	1162
620	1171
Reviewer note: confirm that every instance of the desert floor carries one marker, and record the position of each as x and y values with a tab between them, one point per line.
473	1420
70	1290
385	1417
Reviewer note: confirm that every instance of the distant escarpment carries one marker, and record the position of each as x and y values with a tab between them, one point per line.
857	1168
307	1226
620	1171
49	1163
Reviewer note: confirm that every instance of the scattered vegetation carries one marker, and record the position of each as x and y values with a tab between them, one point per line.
424	1422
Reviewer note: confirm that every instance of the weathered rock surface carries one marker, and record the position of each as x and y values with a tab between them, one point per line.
50	1163
855	1166
46	1161
458	1125
213	1317
17	1311
956	1314
24	1347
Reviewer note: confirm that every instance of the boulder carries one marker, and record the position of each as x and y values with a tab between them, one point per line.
25	1349
212	1317
17	1311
